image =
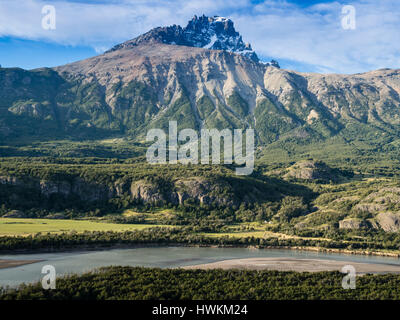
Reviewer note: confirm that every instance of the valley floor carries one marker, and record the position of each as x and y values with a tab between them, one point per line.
98	233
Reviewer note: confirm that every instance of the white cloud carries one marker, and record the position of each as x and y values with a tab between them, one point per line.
314	35
310	36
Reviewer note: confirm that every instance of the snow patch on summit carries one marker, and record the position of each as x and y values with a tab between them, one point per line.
214	33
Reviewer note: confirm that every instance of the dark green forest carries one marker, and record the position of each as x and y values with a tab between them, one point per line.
136	283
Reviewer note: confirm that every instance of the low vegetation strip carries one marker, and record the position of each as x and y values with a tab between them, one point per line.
181	236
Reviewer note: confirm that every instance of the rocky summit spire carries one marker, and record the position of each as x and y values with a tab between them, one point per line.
215	33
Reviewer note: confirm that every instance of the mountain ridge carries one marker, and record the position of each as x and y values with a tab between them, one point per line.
215	33
139	86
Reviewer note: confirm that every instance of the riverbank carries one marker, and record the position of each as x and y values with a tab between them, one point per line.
179	257
88	248
15	263
392	254
133	246
298	265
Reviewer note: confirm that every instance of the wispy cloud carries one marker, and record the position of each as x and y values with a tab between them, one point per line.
315	36
309	36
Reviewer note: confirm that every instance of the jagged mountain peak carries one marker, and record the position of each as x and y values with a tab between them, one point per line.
215	33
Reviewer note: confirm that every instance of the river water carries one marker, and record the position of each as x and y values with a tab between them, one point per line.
163	257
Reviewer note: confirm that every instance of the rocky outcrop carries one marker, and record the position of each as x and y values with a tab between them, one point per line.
389	221
313	170
73	186
197	190
216	33
352	224
370	207
87	191
202	191
34	110
146	192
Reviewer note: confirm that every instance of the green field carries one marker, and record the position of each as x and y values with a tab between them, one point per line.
18	227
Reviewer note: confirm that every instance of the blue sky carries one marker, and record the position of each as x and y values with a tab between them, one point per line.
302	35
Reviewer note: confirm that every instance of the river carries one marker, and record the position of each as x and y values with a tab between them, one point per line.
163	257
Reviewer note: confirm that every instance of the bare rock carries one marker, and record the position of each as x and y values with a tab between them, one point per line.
146	192
352	224
389	221
313	170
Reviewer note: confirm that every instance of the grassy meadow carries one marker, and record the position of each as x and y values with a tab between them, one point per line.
21	227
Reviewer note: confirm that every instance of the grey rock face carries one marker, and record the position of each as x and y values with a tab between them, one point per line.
146	192
216	33
352	224
313	170
197	190
389	221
